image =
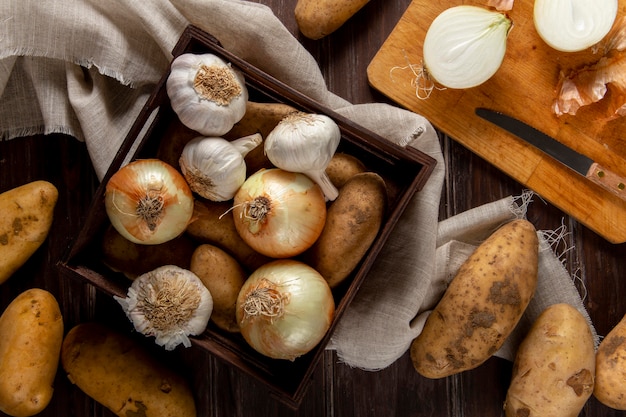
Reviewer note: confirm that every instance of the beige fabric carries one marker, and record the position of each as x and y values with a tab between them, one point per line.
86	67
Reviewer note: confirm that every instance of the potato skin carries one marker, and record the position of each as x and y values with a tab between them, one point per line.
610	383
352	223
342	167
120	374
553	373
26	214
319	18
31	333
482	305
224	277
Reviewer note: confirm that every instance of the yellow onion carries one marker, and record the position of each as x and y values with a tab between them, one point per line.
279	213
284	309
148	202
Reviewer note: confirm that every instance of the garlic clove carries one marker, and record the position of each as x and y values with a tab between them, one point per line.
305	142
208	94
169	303
214	167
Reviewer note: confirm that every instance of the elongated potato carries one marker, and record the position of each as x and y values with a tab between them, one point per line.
352	223
31	333
120	374
26	214
224	277
483	303
610	383
214	224
342	167
319	18
553	373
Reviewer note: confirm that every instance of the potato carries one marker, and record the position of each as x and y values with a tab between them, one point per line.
116	371
26	215
554	367
610	383
318	18
31	333
352	223
482	305
214	224
342	167
176	137
132	259
224	277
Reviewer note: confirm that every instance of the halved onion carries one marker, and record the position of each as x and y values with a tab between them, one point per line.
148	202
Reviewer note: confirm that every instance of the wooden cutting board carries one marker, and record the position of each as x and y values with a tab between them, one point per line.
524	86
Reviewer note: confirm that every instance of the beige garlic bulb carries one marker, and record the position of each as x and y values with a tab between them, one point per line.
214	167
169	303
208	94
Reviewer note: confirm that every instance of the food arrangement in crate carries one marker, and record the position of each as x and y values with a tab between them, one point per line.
282	200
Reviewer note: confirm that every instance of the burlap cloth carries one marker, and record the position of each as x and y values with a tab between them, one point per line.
86	67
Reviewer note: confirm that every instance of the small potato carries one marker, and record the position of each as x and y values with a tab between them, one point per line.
352	223
120	374
26	215
31	333
342	167
319	18
132	259
610	385
482	305
224	277
553	373
214	224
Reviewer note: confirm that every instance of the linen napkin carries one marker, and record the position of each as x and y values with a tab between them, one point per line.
86	68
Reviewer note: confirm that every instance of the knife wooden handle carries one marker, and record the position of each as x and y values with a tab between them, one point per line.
608	180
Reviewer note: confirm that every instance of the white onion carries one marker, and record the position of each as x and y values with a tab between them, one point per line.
279	213
284	309
465	45
148	202
573	25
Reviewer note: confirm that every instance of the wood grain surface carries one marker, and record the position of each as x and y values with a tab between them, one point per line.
524	86
336	389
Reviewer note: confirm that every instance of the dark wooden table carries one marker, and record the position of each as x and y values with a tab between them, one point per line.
336	389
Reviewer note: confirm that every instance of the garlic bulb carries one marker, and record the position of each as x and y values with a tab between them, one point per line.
207	94
305	143
573	25
169	303
465	45
214	167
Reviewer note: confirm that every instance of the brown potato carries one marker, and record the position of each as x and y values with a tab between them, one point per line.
174	140
132	259
318	18
224	277
482	305
352	223
553	373
120	374
214	224
26	214
31	333
342	167
610	384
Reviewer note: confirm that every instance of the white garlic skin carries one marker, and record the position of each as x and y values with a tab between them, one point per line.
214	167
206	116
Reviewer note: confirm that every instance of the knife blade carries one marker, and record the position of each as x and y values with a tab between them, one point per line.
579	163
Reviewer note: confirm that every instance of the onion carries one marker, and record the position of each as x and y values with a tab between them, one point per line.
279	213
148	202
465	45
573	25
284	309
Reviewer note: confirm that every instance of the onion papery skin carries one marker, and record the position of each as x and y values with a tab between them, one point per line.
295	212
465	46
159	182
305	317
573	25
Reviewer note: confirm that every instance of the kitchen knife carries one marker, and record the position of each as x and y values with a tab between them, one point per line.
581	164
